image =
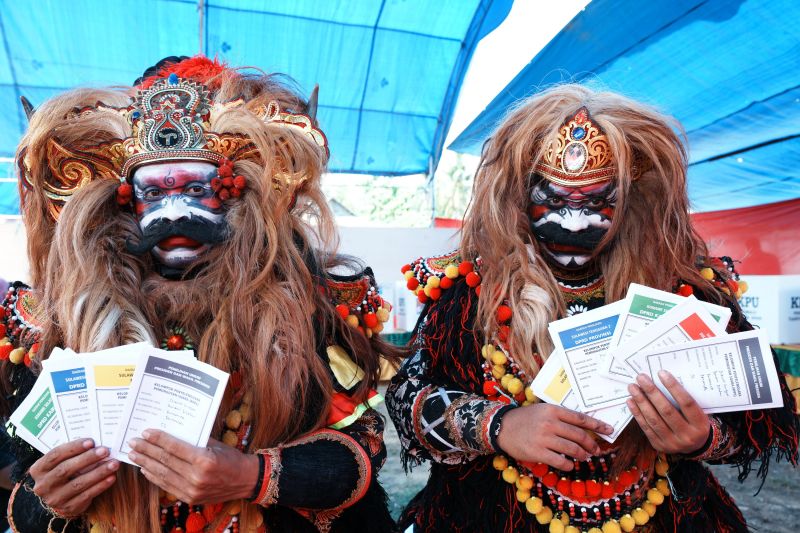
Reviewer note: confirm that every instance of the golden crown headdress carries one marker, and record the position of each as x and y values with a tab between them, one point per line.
579	155
169	122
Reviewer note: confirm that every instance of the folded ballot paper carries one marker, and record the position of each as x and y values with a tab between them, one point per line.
113	395
598	353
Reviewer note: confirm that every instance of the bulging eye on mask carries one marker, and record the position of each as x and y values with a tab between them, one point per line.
570	222
178	212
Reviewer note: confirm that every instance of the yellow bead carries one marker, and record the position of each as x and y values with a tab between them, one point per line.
707	273
4	341
556	526
663	486
510	475
368	331
352	321
649	508
523	495
655	497
17	355
378	328
595	530
487	351
246	411
544	516
451	271
564	517
427	290
234	419
499	358
505	380
640	516
571	529
627	523
524	483
526	402
499	462
743	286
515	386
383	314
432	282
234	508
230	438
529	395
662	467
498	371
409	274
612	526
534	505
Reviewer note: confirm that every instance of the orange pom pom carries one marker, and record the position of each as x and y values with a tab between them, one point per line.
465	268
195	523
503	314
343	310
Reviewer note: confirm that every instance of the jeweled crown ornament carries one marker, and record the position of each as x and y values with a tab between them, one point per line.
579	155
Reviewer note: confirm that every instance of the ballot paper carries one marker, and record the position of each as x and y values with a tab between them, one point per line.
67	383
581	342
552	385
685	322
36	420
641	306
729	373
180	397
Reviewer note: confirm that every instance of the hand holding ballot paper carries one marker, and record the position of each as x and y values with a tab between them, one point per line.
600	353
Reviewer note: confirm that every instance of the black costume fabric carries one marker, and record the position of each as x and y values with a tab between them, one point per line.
465	493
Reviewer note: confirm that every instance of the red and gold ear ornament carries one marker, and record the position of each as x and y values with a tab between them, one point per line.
124	193
226	185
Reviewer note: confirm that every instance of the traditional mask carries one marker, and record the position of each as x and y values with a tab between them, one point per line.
573	195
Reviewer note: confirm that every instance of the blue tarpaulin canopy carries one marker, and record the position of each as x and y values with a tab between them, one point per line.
389	70
729	70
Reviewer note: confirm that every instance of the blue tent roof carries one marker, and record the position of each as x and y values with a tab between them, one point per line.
729	70
389	71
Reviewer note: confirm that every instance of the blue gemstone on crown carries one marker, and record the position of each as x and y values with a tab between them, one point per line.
578	133
136	114
173	79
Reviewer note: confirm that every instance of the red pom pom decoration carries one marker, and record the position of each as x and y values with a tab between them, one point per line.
465	267
578	489
422	298
370	320
235	193
473	279
593	488
195	522
5	349
489	388
412	284
685	290
343	310
549	480
478	291
436	293
503	314
240	182
446	283
124	193
227	182
607	491
216	184
405	268
539	469
503	332
224	194
563	486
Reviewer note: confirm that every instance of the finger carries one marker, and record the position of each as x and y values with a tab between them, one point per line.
81	502
559	462
72	466
585	421
59	454
567	447
578	436
649	413
688	405
654	439
166	484
77	486
161	455
665	409
173	445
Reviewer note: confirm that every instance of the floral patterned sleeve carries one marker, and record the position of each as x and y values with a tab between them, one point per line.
437	422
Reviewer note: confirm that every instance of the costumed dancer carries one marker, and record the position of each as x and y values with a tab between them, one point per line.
578	194
186	211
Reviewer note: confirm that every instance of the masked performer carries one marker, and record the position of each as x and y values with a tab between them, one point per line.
578	194
191	214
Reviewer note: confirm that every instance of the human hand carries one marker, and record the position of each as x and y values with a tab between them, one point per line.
70	476
195	475
668	429
541	433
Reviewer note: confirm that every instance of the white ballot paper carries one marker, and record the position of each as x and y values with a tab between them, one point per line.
108	377
70	395
641	306
685	322
551	384
730	373
36	420
582	341
179	397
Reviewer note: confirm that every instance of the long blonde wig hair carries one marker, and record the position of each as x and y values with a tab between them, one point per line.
651	240
255	303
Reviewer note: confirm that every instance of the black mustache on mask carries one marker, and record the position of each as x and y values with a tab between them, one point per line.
196	228
552	233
